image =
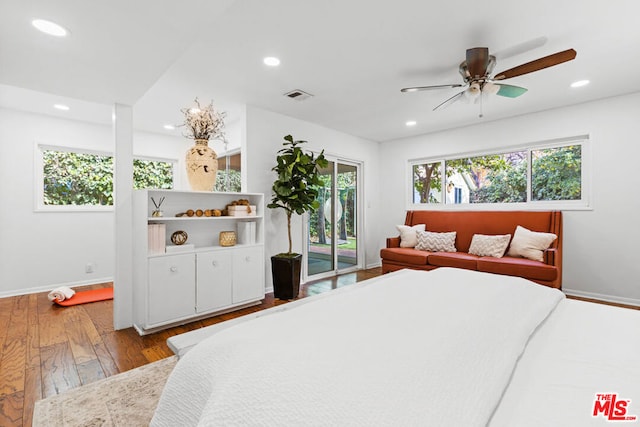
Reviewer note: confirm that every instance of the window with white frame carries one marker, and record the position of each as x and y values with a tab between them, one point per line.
70	178
552	173
229	177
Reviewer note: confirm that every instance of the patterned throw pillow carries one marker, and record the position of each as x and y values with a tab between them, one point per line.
494	246
408	234
530	244
436	242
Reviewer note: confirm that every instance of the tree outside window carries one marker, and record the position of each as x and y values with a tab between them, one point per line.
427	183
556	173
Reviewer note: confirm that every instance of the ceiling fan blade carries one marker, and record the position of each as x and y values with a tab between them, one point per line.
419	88
538	64
509	91
477	61
450	101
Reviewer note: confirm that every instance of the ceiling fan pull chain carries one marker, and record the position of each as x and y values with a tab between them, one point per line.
481	96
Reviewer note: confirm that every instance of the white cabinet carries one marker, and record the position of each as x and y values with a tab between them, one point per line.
214	283
229	277
248	274
171	291
201	278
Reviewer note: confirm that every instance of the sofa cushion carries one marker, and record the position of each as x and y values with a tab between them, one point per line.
522	267
404	255
436	242
483	245
530	244
453	259
409	234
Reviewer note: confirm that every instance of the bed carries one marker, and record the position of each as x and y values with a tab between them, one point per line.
447	347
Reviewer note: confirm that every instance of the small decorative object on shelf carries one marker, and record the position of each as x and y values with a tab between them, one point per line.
157	212
240	207
227	238
202	124
179	237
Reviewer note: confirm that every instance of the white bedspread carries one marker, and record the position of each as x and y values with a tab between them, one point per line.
409	348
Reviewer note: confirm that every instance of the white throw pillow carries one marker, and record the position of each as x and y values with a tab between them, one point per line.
530	244
408	234
436	242
494	246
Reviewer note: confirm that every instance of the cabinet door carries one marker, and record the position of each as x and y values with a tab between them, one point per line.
213	280
171	288
248	274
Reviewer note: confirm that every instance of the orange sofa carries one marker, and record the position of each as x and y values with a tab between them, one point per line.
468	223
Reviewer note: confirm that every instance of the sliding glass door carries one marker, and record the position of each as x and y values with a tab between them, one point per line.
332	230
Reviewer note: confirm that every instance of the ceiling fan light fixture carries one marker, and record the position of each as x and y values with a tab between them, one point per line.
474	89
580	83
490	88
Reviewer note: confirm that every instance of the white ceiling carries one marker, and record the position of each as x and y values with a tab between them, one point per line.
352	55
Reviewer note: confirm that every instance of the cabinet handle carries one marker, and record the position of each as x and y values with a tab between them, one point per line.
215	264
173	269
248	258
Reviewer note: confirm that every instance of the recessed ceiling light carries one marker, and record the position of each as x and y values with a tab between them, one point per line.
50	28
271	61
169	127
61	107
411	123
580	83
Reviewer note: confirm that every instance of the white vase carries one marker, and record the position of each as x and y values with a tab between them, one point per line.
202	166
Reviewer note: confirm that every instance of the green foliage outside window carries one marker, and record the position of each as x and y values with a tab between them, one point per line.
77	178
556	173
235	181
71	178
346	182
152	174
502	179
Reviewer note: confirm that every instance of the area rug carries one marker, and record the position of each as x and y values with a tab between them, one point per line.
127	399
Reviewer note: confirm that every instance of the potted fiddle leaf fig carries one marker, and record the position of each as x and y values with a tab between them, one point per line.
295	191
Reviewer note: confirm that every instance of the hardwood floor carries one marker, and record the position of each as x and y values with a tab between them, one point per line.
46	349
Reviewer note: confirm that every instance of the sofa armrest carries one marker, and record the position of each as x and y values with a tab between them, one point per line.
549	256
393	242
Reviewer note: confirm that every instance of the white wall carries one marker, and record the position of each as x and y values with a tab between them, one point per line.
41	250
600	245
264	137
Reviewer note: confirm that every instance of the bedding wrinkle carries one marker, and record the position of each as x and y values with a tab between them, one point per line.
413	348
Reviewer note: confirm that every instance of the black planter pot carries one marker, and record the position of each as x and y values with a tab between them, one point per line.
285	272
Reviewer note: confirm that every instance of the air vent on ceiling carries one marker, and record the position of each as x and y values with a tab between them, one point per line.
298	95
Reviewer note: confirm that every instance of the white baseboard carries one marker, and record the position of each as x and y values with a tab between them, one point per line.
48	288
374	265
602	297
